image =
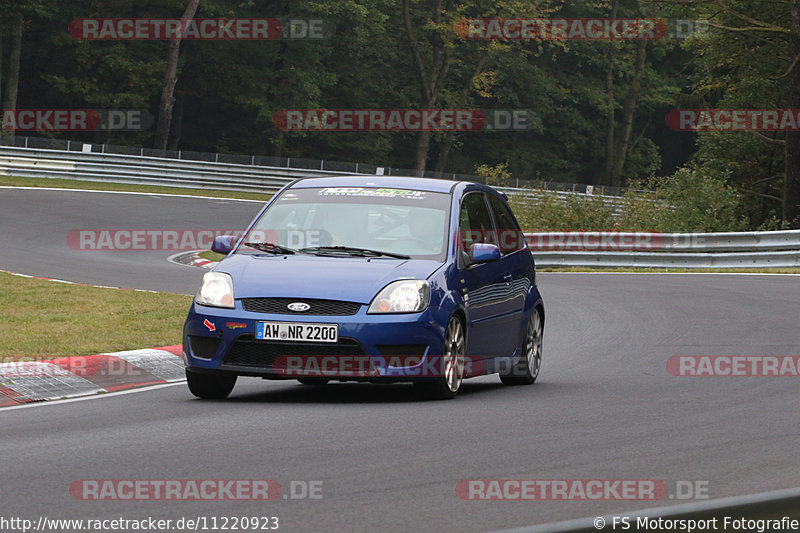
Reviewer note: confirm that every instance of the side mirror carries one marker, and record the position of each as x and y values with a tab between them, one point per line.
223	244
484	252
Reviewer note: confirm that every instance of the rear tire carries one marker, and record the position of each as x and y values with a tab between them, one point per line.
210	386
447	386
527	370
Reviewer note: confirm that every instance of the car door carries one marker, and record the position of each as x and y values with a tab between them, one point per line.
487	286
517	266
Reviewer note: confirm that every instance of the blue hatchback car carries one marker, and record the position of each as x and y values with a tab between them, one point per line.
370	278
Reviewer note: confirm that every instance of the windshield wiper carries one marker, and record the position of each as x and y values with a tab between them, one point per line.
271	248
361	252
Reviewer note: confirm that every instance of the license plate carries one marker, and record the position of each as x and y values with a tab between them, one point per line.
296	331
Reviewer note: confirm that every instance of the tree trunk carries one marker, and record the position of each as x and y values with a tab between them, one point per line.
423	146
278	144
628	114
176	131
450	136
170	79
12	78
611	103
791	184
1	74
444	151
431	77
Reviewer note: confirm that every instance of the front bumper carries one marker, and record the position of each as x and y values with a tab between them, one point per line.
392	347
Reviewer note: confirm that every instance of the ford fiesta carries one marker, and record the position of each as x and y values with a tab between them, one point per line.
370	278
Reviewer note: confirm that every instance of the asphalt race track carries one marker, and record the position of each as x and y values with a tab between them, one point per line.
35	225
604	406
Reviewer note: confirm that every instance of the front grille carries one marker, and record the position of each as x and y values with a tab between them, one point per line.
247	351
204	347
318	307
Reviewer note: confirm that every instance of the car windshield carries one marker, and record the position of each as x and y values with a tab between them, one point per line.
355	221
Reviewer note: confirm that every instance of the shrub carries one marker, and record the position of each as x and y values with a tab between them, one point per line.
691	200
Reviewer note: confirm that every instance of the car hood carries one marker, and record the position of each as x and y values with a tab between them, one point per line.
352	279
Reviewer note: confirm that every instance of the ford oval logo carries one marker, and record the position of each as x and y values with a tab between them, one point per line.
299	307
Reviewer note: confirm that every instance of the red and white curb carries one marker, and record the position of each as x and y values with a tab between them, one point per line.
74	282
192	259
68	377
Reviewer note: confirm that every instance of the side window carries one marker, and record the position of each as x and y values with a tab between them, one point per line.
475	222
509	235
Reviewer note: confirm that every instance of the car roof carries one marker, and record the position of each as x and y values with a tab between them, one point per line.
370	180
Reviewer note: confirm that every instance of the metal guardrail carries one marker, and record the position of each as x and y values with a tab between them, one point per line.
150	170
666	250
738	241
528	198
592	249
145	170
655	260
41	143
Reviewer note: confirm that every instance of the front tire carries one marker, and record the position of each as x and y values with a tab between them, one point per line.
527	370
313	381
210	386
447	386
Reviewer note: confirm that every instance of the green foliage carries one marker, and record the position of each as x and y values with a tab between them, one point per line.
228	92
691	200
702	201
773	223
550	213
741	63
497	175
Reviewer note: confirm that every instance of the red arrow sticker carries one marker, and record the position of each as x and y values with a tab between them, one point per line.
210	325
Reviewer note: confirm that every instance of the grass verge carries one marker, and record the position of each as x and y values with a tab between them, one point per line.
46	319
211	256
17	181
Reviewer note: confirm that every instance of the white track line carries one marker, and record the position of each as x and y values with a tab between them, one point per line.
93	397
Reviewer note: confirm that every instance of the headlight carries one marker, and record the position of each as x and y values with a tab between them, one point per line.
216	290
404	296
